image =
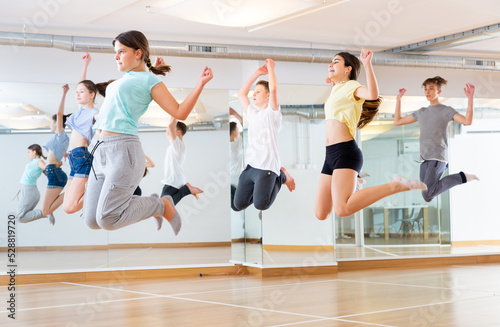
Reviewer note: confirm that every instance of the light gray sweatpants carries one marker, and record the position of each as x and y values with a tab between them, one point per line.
431	172
109	202
28	199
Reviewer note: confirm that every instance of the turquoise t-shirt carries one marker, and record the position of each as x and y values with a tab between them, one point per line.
127	99
31	172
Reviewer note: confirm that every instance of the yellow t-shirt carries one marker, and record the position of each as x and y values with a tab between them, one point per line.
342	105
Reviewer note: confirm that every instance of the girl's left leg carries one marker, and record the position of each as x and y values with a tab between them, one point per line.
122	160
347	202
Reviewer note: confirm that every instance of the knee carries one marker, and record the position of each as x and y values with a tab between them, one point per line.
70	208
106	223
45	211
321	215
262	205
427	196
343	211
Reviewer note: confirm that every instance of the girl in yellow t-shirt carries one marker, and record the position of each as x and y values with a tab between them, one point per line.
350	106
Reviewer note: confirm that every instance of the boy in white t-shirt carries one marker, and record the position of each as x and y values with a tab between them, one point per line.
174	182
263	176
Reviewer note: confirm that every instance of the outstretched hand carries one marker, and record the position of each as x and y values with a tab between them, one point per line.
86	58
469	90
65	88
206	75
262	70
401	93
159	62
270	64
366	56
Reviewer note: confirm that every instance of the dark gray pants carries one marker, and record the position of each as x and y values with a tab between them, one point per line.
431	172
176	193
109	202
259	187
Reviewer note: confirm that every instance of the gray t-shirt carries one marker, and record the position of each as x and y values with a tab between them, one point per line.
434	122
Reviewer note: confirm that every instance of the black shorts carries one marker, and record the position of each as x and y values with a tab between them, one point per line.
342	155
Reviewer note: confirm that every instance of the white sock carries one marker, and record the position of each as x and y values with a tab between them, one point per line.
176	221
159	219
412	184
470	177
52	219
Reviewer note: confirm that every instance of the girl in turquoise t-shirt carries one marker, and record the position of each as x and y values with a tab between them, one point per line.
29	194
118	156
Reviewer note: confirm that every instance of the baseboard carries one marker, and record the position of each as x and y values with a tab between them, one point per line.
291	271
475	243
349	265
117	246
298	248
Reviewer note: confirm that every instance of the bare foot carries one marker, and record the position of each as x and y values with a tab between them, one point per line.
410	184
471	177
290	182
194	190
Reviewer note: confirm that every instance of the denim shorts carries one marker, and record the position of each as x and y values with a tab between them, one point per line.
56	176
80	161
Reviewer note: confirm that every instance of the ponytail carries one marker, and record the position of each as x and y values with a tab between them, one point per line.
369	111
38	150
54	118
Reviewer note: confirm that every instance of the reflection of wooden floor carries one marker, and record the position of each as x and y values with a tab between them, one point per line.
451	296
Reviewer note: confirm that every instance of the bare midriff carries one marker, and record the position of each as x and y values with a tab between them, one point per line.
77	140
101	133
336	132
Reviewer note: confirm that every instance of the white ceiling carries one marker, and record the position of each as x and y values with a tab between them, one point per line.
340	24
349	24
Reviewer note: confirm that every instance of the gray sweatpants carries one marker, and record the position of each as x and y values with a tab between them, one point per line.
431	172
28	199
109	202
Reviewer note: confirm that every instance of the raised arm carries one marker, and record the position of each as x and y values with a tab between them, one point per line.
243	92
60	111
370	91
398	120
236	114
86	62
149	162
167	102
467	120
171	131
273	85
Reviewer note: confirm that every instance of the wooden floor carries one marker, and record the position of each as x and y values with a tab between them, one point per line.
446	296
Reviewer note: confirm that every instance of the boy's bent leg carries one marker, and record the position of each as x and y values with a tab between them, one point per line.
433	170
267	187
243	196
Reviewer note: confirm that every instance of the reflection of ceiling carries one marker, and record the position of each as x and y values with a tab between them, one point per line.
45	98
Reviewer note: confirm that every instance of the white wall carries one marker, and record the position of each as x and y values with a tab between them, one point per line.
474	206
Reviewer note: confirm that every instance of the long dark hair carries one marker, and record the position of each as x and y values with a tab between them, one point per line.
38	150
136	40
370	107
96	88
54	118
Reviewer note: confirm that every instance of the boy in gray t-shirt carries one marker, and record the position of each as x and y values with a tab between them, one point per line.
434	121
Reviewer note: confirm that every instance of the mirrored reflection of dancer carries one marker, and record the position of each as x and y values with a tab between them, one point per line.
346	110
56	146
174	183
119	159
149	164
433	123
263	176
29	195
235	153
81	122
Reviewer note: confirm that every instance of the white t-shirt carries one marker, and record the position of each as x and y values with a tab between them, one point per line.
262	147
174	159
236	160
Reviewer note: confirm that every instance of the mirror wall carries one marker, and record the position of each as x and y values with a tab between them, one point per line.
287	233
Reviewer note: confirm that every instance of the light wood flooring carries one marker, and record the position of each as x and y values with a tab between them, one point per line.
461	295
